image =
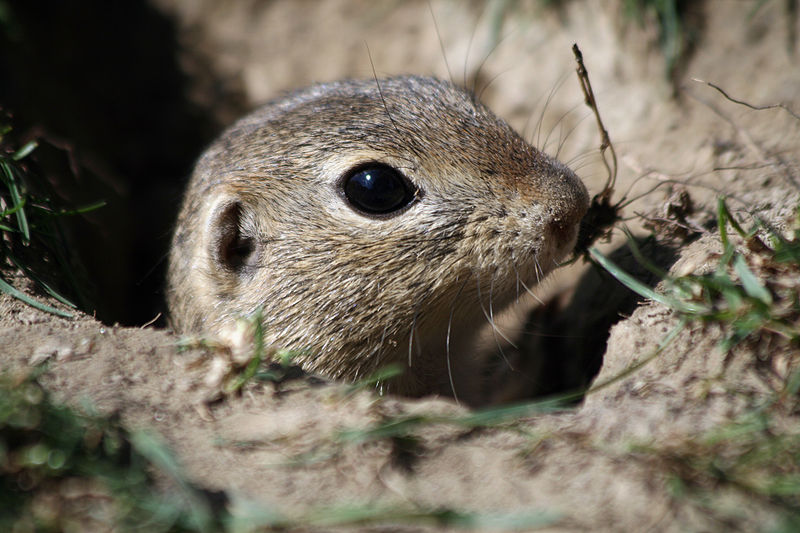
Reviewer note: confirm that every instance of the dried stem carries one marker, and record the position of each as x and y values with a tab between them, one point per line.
586	85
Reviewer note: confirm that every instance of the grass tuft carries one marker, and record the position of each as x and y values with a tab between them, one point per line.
29	228
756	455
61	470
752	294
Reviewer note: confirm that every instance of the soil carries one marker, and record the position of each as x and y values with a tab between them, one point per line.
585	466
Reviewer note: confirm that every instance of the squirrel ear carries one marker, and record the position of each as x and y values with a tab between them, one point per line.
233	242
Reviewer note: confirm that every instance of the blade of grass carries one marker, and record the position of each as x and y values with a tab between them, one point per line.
640	258
23	152
10	290
249	515
11	211
668	338
47	288
723	218
750	282
443	517
84	209
643	290
17	200
250	370
52	292
157	453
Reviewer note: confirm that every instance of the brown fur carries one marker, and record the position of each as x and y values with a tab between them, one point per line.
357	291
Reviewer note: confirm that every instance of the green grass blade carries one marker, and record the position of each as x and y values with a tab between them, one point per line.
32	276
788	485
52	292
12	291
723	218
16	199
750	282
643	290
665	341
251	515
500	415
25	151
793	384
640	258
84	209
11	211
441	518
200	515
786	251
257	320
494	416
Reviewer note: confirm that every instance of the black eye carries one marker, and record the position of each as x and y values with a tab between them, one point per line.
378	189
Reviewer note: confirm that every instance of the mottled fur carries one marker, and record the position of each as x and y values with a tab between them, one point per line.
360	292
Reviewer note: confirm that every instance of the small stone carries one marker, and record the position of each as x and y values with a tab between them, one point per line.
240	340
41	354
217	371
65	353
57	348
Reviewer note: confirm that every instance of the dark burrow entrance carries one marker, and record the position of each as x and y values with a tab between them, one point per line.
561	347
99	84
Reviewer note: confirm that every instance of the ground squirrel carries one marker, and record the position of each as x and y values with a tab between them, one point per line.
373	222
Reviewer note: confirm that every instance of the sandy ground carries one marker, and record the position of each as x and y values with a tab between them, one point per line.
584	467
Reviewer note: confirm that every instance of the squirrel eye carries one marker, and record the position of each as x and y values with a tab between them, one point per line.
378	189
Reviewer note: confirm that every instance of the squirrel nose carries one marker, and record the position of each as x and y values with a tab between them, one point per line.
563	231
569	203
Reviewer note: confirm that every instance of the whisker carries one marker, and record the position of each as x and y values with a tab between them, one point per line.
410	145
496	330
560	123
488	315
492	80
527	289
544	110
447	341
563	141
581	159
441	43
411	338
495	46
469	47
